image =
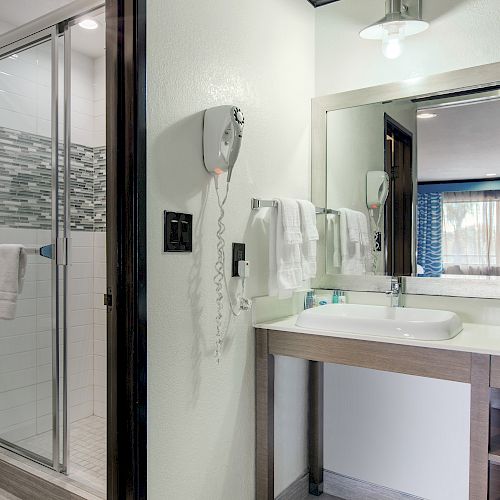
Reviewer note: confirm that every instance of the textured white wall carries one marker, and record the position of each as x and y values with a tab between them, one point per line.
260	56
463	33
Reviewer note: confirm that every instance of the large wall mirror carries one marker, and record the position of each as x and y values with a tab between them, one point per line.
412	171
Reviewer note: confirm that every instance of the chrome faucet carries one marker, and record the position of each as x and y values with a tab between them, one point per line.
396	291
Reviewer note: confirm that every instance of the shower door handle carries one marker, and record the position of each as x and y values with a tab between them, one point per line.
47	251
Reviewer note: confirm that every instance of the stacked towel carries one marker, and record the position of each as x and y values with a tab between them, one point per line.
292	246
13	260
354	242
310	237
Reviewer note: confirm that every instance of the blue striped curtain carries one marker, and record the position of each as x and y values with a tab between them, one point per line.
430	234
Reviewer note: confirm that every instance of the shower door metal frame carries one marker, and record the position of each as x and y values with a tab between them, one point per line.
9	46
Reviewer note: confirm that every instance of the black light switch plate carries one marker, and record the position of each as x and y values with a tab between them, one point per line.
178	232
238	254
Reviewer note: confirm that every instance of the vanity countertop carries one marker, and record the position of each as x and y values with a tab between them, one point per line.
483	339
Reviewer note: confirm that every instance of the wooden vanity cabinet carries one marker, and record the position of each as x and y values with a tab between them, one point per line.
494	434
480	370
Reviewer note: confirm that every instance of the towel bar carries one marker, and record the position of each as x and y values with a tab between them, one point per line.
257	203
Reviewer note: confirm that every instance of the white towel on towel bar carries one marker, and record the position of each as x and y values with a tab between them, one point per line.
354	242
285	265
310	237
13	260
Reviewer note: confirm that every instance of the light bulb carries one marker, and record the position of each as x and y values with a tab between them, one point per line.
88	24
392	47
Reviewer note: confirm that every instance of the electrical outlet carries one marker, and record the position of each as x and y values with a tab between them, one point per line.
238	254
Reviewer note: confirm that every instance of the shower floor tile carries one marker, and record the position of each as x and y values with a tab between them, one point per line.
87	450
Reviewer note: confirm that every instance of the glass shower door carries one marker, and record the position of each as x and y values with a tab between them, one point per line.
33	213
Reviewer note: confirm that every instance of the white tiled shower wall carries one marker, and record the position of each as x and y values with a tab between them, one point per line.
25	95
25	343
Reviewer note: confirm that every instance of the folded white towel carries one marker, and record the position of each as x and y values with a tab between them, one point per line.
290	218
13	260
285	266
310	237
354	242
333	245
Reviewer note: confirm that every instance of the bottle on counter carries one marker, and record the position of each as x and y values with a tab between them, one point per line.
309	300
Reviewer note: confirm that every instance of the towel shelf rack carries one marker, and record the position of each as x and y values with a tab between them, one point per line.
258	203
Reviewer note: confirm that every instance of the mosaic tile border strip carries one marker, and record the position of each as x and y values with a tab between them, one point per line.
25	183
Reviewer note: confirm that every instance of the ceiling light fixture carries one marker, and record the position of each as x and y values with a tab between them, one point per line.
491	175
400	21
88	24
426	116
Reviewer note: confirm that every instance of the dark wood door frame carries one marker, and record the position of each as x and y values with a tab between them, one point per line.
396	222
126	247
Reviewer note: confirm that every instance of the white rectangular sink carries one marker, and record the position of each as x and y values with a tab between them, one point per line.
402	322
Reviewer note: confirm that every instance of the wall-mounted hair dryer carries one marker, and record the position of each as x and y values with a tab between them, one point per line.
377	188
222	134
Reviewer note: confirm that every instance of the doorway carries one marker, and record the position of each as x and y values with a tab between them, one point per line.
398	143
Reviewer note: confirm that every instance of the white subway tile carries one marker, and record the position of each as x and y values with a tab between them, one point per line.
18	343
99	254
44	306
14	362
17	103
81	285
81	317
100	332
99	317
99	348
44	373
99	285
99	377
44	390
44	407
82	239
43	322
100	364
17	397
44	339
17	121
81	254
25	307
17	379
17	85
100	239
17	326
44	424
81	301
99	270
81	379
81	270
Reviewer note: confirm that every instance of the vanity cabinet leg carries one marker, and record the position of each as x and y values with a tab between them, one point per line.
315	424
264	418
479	427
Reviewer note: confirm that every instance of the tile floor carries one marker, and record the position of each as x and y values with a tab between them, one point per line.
87	444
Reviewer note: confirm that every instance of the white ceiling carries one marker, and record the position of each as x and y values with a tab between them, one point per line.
14	13
461	142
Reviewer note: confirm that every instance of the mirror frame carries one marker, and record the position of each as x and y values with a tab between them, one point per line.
441	84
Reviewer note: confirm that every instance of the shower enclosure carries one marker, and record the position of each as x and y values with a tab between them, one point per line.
37	186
